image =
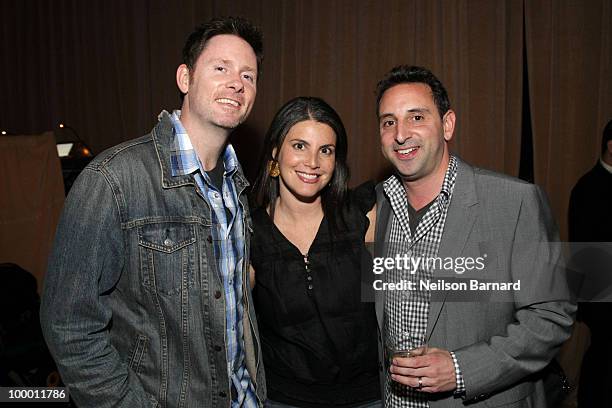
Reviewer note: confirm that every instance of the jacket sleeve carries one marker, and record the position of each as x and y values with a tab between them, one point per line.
86	261
543	312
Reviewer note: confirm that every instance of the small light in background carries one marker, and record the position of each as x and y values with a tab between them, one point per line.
4	132
75	147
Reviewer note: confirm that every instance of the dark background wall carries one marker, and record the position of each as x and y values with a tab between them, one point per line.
107	69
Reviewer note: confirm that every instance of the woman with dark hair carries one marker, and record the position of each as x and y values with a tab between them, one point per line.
318	338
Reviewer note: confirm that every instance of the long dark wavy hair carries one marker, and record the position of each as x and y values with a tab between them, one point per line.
333	196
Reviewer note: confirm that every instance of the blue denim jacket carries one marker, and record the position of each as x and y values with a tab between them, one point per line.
133	308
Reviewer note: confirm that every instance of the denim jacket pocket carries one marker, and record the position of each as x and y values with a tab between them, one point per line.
167	257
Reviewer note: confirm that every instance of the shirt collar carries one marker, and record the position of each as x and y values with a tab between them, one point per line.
605	166
393	184
183	156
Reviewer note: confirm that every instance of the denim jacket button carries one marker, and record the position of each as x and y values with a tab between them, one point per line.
217	294
168	242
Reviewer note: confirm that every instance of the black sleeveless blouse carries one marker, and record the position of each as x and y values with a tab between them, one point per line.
318	338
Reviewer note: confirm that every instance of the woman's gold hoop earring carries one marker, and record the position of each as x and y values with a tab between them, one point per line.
273	168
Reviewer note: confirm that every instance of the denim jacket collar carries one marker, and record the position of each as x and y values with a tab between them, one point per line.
162	136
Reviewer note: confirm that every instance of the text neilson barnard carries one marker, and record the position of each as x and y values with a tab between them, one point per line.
441	284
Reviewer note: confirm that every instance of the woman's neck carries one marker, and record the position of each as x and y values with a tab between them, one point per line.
297	211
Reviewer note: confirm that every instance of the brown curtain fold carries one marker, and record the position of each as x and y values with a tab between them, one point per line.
569	56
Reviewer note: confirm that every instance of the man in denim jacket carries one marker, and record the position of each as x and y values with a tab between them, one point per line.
146	301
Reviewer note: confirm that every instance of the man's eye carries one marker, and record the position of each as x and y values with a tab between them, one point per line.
327	151
298	146
418	117
388	123
221	69
249	77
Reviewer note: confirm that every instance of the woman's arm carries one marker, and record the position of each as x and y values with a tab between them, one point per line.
369	237
251	276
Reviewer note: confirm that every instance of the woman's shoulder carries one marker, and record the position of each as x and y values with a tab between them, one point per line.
359	201
363	197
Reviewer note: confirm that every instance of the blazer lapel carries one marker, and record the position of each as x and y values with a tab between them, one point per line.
457	228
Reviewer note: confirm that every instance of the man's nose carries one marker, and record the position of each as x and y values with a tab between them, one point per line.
235	83
402	134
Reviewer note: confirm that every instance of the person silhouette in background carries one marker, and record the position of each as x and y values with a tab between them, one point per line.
590	220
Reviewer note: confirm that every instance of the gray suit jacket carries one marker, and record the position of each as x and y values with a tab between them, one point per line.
502	340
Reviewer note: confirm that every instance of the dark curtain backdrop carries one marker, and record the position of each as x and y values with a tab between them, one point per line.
569	55
107	69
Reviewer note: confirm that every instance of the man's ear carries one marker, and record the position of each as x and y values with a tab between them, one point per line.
182	78
448	124
609	146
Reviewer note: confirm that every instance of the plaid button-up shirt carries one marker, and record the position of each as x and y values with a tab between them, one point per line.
410	313
229	247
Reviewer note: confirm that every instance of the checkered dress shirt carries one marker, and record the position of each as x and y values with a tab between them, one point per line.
229	248
408	310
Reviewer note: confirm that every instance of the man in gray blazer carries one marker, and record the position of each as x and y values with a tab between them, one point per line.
498	310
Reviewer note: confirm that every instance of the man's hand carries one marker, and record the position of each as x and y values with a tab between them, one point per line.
433	372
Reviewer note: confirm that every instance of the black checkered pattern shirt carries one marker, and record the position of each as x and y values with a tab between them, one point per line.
408	310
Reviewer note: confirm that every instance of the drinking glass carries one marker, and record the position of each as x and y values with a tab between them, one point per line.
405	344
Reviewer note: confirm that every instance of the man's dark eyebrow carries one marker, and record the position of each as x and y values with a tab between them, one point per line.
418	110
230	62
412	110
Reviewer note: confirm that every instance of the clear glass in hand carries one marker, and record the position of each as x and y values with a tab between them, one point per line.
405	344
